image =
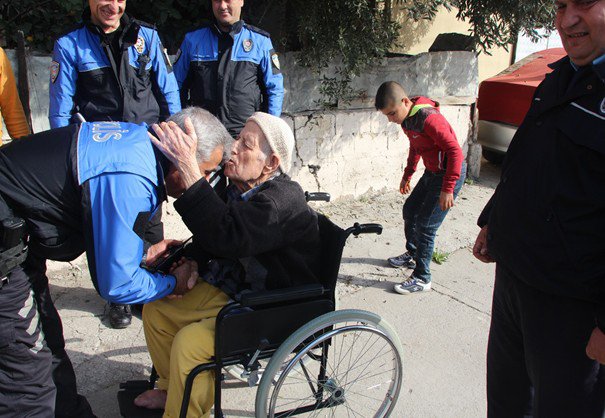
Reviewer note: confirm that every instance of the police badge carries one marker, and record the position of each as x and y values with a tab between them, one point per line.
247	44
140	45
54	71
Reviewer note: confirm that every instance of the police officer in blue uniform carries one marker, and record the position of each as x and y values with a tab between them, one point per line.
91	187
230	68
111	68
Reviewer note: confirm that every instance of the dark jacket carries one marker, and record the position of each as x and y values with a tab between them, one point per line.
231	75
275	227
85	77
546	220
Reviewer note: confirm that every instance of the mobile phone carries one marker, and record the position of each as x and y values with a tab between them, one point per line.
170	256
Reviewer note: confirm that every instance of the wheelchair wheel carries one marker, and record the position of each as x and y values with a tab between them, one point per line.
236	371
356	369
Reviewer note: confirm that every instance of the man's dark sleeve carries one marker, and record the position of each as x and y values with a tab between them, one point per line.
235	230
600	314
484	217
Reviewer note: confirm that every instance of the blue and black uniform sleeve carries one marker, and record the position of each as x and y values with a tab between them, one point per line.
181	66
167	89
116	200
272	79
63	78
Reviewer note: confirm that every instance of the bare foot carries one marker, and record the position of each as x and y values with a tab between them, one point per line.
152	399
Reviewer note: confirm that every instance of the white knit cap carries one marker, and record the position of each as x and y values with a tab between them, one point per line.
279	136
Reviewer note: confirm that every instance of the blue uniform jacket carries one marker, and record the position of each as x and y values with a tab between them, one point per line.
244	79
85	78
91	187
119	174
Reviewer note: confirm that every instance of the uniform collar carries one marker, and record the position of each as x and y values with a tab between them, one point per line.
599	68
235	28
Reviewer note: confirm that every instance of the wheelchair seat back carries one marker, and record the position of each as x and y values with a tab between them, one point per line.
240	330
333	240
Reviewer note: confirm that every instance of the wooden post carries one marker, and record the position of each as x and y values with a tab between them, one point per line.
23	84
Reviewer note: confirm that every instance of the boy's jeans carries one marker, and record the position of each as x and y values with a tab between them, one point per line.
422	217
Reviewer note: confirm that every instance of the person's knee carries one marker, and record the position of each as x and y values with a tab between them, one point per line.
193	343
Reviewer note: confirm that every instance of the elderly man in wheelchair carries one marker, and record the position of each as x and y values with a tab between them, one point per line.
268	273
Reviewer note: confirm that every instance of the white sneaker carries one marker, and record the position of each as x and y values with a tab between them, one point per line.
412	285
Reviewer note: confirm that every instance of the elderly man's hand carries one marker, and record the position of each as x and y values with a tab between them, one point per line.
186	277
596	346
180	148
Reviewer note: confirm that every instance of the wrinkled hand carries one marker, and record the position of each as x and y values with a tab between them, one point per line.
185	272
446	200
180	148
596	346
480	250
157	250
404	186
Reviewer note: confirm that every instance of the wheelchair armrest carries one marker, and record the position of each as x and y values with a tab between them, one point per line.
266	297
357	229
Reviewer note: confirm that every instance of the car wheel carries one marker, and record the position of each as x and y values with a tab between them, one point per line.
493	157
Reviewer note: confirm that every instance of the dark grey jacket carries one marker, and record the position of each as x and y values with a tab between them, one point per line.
547	217
271	240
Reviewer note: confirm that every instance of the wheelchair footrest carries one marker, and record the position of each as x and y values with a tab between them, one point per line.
129	391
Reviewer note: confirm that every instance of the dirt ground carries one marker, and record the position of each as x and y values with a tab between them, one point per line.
103	357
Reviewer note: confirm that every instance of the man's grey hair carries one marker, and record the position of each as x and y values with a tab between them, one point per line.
211	133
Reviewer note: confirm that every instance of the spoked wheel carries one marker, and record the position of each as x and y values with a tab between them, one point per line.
237	370
343	364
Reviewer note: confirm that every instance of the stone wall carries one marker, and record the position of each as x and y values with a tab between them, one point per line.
350	149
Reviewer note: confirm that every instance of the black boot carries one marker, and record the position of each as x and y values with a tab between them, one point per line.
120	316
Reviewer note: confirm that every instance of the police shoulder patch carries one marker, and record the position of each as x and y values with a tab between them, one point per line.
603	106
275	60
54	71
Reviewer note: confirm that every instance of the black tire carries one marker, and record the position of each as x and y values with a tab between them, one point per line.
493	157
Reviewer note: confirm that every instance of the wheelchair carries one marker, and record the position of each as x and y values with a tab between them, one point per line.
319	361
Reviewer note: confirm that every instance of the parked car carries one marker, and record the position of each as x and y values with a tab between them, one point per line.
505	98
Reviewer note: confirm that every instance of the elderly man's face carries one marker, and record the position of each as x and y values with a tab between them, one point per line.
581	24
247	161
107	13
175	186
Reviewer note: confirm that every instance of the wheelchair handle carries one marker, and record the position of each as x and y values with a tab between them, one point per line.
317	197
358	228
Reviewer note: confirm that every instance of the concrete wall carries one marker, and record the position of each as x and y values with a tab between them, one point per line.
350	149
417	37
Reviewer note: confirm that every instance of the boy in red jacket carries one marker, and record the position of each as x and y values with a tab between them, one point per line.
432	139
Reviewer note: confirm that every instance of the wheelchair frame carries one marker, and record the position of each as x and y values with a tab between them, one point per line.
310	302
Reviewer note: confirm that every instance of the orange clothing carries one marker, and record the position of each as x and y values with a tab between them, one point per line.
11	109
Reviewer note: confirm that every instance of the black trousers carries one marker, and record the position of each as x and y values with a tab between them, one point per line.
68	403
26	386
536	358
